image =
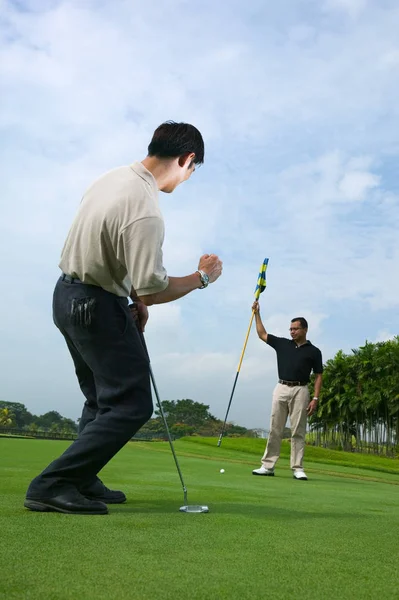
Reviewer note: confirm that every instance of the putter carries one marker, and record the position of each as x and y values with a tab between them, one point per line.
186	508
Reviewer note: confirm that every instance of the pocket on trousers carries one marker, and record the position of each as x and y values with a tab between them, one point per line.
83	312
122	318
100	316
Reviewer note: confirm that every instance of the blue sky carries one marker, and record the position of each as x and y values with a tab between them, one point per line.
297	102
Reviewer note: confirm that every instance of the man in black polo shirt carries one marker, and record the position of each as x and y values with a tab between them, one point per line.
296	358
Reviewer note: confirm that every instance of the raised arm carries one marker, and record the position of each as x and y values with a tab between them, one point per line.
210	264
260	328
141	249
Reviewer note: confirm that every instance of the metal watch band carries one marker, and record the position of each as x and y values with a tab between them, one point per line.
204	279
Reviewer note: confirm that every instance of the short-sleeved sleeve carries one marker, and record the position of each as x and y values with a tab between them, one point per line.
141	244
318	363
273	340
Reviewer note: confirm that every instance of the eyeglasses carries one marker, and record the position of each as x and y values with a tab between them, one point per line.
295	328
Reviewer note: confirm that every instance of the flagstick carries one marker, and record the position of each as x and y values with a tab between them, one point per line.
260	286
236	377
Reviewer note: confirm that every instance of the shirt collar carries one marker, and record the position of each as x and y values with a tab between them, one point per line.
307	343
145	174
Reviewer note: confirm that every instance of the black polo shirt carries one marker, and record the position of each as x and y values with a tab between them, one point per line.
295	363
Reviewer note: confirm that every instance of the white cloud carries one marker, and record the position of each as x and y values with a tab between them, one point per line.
299	111
165	317
384	336
279	323
197	366
353	8
390	59
355	184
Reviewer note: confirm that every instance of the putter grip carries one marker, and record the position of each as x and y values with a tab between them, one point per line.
141	335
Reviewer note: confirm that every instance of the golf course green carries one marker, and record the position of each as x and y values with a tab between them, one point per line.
334	536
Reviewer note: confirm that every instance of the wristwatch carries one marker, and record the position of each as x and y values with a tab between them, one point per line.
204	279
315	398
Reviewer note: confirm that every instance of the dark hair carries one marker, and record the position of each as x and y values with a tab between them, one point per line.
302	321
171	140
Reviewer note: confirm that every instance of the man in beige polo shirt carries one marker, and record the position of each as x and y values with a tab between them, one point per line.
296	358
113	251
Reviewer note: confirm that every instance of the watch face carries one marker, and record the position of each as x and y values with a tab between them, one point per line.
204	278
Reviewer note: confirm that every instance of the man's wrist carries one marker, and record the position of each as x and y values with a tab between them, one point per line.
204	278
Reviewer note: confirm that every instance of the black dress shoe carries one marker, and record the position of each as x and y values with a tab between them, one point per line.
107	496
71	503
98	491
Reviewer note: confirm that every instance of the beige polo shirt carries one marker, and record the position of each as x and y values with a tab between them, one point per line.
115	241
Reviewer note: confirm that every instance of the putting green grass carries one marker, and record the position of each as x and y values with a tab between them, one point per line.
334	536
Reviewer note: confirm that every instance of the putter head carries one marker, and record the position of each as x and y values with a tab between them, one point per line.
194	508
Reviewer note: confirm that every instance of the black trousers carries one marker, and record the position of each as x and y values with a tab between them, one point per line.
113	373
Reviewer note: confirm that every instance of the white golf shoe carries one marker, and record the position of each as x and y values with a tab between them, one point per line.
263	471
300	474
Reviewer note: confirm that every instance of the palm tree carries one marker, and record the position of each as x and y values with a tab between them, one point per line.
7	418
32	428
55	428
360	399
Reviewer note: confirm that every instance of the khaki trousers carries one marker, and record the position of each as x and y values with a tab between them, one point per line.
292	401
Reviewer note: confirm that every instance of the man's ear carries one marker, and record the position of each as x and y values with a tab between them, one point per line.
188	156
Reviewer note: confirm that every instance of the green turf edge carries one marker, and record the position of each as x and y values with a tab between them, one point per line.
314	454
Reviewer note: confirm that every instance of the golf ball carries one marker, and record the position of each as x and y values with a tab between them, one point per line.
222	470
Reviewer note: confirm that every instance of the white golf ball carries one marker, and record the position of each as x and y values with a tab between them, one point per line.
222	470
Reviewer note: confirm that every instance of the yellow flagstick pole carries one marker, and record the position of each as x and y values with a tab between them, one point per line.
246	341
259	288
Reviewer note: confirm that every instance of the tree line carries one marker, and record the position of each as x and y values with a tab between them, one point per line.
184	417
358	408
14	415
359	402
